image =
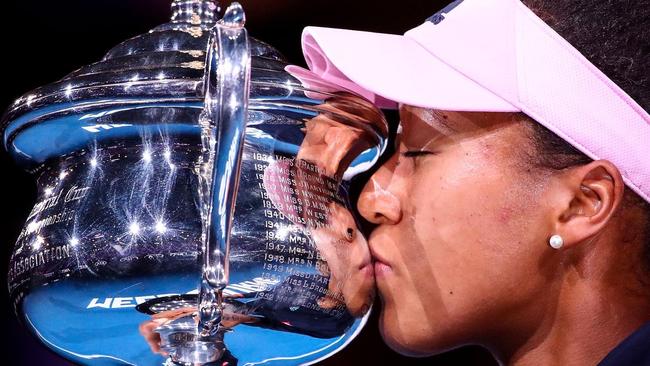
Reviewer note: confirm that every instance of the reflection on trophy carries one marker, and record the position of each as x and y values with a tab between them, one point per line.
192	203
316	204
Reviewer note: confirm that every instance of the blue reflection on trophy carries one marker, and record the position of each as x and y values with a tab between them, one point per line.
192	203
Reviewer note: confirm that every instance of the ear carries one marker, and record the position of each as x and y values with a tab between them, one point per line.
594	192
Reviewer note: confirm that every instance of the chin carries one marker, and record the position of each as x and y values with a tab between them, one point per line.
408	341
359	296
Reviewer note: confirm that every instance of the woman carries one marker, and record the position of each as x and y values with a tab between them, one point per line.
491	229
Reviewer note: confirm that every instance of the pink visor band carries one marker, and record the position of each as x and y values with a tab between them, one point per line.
491	56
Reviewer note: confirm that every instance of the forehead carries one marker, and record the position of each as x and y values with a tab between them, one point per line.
415	118
453	123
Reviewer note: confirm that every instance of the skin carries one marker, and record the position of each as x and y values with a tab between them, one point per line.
331	146
348	259
328	148
461	252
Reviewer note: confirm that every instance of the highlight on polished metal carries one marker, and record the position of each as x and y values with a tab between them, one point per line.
193	202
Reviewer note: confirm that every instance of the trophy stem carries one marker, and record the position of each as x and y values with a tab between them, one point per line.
222	124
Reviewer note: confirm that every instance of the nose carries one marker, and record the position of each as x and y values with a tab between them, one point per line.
377	203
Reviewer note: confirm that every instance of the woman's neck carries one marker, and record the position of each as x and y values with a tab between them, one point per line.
589	314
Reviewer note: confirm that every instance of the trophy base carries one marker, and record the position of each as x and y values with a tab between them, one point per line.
87	311
195	352
179	336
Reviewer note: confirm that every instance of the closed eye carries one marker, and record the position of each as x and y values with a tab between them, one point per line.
416	153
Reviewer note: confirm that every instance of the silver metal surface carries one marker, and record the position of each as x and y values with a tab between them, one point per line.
130	152
227	82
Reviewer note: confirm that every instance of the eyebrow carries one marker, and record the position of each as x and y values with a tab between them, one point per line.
441	120
434	118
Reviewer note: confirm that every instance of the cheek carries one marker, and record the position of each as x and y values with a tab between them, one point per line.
455	201
471	224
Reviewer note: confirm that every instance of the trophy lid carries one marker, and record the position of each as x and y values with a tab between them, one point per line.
166	65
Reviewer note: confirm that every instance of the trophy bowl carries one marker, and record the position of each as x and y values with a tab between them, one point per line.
119	261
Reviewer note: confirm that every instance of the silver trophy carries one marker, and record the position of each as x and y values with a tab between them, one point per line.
193	202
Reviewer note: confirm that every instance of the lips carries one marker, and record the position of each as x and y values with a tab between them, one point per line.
382	269
379	259
380	262
366	269
381	266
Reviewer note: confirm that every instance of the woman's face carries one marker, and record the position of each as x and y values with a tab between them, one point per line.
461	244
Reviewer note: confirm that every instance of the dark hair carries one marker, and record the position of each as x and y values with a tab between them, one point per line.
615	36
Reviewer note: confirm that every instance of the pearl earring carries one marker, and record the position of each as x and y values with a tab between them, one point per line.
556	242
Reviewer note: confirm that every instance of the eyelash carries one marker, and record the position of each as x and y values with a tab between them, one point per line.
416	153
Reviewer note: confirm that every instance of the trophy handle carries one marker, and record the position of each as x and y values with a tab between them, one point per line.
223	123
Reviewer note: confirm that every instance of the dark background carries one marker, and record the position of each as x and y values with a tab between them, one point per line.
41	41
